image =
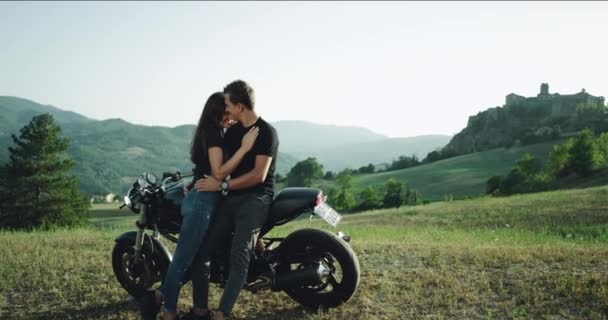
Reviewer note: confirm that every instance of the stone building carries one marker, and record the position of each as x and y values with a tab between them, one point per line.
555	103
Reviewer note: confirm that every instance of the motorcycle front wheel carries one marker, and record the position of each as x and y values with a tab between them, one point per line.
307	247
137	276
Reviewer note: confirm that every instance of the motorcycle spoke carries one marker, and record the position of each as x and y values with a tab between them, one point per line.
333	281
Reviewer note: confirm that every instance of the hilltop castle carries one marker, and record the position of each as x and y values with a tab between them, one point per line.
530	120
560	105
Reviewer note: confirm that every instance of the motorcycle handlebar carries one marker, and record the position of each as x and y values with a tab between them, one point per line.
173	177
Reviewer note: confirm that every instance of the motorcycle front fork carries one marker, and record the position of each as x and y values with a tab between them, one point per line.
141	231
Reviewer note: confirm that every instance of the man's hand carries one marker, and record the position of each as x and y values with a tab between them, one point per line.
208	183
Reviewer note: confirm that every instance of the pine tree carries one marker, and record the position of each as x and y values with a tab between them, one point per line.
38	192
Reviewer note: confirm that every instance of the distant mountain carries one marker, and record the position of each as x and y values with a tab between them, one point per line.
378	152
302	137
339	147
19	110
109	154
16	112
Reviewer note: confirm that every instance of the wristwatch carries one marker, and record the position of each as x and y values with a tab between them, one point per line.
224	185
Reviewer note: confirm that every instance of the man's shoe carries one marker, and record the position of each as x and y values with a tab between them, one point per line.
148	307
193	316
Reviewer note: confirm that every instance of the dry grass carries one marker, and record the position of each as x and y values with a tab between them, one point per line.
456	260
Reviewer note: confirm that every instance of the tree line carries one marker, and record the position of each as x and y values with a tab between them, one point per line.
308	173
579	156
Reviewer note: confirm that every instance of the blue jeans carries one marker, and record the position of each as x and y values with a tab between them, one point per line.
196	210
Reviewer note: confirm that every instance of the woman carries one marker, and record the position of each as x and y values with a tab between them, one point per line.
196	209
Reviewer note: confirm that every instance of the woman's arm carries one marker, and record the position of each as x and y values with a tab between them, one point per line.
218	170
250	179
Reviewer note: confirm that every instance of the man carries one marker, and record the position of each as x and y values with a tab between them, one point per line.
249	194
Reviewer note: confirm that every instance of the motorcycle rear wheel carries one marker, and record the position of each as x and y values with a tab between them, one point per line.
309	246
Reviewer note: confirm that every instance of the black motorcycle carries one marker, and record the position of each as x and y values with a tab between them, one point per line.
314	267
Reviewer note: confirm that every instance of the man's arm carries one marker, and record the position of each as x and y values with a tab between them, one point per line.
255	176
248	180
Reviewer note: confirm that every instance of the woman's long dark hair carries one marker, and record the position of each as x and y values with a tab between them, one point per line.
211	118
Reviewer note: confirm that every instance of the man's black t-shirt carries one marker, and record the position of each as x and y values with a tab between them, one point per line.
213	139
267	144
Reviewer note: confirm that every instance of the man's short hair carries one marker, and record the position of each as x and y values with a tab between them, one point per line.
241	92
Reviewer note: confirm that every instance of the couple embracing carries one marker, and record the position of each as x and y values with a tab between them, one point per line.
235	154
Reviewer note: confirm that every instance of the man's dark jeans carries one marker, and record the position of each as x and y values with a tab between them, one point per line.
245	214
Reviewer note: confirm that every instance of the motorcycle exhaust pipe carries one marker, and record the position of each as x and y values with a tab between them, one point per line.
308	276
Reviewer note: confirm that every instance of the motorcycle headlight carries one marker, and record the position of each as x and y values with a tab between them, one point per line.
132	200
127	201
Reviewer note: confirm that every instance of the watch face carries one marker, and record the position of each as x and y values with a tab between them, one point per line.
224	187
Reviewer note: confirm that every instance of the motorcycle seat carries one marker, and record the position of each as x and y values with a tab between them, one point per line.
291	202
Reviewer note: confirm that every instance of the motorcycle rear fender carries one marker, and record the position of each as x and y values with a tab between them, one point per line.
303	234
132	235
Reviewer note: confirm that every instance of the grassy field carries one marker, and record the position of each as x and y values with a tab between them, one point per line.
460	176
536	256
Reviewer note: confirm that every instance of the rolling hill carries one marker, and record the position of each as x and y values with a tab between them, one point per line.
460	176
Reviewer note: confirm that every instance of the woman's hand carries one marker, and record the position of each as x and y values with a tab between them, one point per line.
208	183
249	139
186	190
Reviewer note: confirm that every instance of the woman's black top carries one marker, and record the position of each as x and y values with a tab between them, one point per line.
214	138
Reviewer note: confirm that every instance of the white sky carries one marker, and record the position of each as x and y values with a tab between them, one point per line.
398	68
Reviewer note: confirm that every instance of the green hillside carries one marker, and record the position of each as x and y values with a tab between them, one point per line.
460	176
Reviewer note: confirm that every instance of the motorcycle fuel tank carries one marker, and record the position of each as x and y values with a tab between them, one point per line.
169	211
